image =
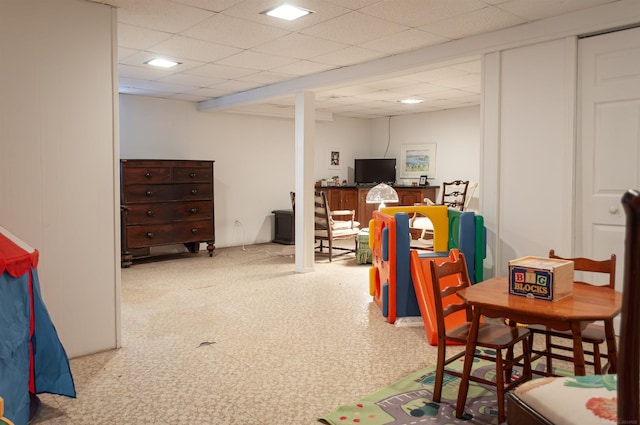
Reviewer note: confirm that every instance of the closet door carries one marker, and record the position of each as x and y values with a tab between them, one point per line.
608	145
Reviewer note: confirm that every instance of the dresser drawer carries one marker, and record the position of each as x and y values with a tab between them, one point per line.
192	174
145	175
168	192
162	212
170	233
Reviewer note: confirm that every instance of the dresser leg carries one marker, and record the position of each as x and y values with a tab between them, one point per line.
126	259
210	247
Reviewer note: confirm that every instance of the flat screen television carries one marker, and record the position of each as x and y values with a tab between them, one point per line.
376	170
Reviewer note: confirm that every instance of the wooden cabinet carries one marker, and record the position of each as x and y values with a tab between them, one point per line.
165	202
343	198
354	198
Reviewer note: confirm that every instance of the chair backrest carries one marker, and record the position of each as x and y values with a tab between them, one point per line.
629	353
322	213
448	278
595	266
454	194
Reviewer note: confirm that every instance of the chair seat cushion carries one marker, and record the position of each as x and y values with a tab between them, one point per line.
344	224
572	400
422	223
338	233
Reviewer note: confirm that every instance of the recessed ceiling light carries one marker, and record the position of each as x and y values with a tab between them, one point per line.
287	12
411	101
163	63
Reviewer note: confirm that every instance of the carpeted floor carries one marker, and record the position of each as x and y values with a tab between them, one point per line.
242	339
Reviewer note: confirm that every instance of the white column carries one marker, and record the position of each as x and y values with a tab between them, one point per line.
304	184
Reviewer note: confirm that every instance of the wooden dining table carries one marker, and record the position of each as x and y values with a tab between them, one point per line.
586	304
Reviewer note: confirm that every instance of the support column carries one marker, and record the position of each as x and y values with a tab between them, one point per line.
304	184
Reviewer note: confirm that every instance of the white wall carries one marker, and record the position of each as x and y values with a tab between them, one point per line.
254	156
534	115
456	133
58	147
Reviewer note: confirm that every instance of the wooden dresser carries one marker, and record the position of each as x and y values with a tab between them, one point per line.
165	202
355	198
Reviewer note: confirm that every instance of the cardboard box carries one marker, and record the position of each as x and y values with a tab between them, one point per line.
541	278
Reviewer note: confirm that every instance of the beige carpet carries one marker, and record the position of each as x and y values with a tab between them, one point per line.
240	338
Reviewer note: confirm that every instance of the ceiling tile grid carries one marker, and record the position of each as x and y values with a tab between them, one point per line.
230	46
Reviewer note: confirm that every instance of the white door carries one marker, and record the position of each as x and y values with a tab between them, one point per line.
608	146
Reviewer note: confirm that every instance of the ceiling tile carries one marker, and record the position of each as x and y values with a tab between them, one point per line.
212	5
139	38
266	77
190	48
255	60
304	67
234	32
532	10
140	58
348	56
251	10
414	13
141	73
192	80
354	28
219	71
404	41
161	15
353	4
476	22
299	46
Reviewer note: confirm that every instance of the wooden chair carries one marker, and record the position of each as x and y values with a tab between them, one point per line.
452	194
596	398
329	228
592	334
496	337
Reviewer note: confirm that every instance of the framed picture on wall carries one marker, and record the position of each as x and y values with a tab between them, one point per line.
423	181
334	159
418	160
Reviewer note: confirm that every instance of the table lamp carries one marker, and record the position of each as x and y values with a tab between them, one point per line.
382	193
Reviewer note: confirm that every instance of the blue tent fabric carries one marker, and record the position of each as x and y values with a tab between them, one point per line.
14	346
52	370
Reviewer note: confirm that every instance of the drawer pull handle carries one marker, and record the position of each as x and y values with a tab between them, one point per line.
149	193
193	210
194	191
193	175
150	213
150	235
194	230
148	174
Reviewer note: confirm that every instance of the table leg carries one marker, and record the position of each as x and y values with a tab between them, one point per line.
612	350
468	363
578	351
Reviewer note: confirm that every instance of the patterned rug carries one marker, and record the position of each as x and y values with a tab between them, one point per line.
409	401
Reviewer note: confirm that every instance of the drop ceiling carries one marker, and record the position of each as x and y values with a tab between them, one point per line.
226	47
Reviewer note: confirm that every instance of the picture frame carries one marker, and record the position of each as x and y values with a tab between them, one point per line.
417	160
423	181
334	159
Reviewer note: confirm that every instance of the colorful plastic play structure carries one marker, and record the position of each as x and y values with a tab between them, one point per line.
390	277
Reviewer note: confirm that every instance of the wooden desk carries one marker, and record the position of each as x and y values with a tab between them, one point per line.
587	304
